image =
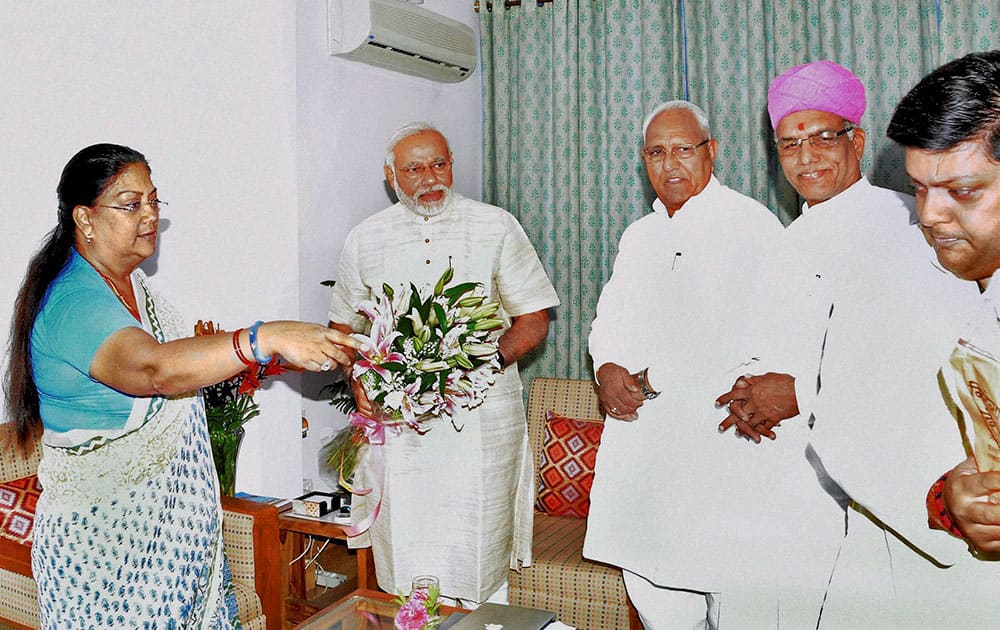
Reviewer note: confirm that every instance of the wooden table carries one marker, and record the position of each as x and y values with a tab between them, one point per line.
362	609
292	532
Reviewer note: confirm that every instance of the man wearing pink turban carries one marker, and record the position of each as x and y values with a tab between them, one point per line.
872	319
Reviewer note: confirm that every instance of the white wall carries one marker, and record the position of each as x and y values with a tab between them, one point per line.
267	150
346	111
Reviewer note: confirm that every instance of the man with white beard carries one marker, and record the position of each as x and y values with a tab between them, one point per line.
457	505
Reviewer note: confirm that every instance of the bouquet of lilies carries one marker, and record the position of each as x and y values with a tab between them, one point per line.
424	357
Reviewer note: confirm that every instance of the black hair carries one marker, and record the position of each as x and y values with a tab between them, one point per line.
958	102
84	178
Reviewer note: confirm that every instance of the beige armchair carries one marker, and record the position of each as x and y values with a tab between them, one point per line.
587	595
250	534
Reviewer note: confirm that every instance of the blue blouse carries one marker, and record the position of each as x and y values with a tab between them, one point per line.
78	313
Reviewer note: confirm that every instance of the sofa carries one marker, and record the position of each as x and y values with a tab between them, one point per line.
584	594
250	534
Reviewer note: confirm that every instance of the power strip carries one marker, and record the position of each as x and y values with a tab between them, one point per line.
329	579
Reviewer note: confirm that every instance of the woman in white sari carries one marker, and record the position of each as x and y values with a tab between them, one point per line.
128	527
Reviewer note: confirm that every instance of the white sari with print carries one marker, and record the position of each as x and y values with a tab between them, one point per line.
128	529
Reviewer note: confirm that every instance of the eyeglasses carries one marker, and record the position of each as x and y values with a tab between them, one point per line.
679	151
416	170
824	141
135	206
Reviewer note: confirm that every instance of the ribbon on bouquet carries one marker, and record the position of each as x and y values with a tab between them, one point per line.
374	432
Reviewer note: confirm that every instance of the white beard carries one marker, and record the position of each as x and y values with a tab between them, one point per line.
423	209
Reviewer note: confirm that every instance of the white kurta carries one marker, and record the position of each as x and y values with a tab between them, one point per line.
673	500
884	435
828	250
457	505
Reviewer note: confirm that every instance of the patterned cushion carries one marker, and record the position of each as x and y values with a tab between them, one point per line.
566	474
18	499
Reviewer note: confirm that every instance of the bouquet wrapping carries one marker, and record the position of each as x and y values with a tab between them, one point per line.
424	357
975	384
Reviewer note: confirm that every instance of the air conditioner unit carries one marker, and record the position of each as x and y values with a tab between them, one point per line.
401	36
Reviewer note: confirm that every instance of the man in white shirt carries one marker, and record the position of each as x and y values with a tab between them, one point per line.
682	510
815	110
457	505
880	433
950	126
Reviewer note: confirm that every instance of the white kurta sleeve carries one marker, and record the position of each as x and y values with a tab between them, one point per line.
521	281
350	289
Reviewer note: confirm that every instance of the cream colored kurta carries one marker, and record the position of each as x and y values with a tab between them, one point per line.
457	505
673	500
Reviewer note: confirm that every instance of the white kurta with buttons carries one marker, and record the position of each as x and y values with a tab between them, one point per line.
457	505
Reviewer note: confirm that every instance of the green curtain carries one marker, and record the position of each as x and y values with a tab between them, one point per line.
566	86
967	26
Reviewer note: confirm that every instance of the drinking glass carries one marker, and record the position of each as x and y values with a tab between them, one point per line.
424	583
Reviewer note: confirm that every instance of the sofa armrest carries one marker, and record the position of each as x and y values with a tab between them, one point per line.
15	462
247	521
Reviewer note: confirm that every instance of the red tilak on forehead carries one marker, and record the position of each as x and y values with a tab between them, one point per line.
802	126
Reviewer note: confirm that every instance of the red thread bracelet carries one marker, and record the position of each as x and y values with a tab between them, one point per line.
239	351
937	511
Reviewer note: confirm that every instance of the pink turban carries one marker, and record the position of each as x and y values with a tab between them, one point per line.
820	85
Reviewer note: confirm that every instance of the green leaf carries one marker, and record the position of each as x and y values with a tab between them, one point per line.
442	382
405	326
394	366
454	293
441	317
427	380
415	301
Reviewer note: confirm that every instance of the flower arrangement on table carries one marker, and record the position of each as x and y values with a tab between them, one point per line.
419	611
229	404
424	358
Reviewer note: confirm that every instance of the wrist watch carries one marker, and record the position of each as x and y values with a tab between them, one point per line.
647	391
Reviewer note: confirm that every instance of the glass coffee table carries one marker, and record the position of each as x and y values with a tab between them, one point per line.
362	610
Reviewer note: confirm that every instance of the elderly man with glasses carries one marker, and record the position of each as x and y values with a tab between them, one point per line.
687	514
457	504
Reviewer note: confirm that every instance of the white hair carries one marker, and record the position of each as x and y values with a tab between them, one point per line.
699	115
407	130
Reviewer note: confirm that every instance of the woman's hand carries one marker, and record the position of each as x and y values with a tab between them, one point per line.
309	346
133	362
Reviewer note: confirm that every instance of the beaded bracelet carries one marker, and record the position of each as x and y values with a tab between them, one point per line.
938	512
253	344
238	350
